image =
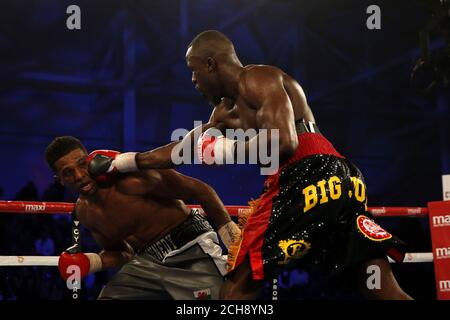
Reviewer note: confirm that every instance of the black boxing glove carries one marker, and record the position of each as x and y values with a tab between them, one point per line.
100	165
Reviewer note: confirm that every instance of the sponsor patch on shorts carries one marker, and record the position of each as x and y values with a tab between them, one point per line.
371	230
293	249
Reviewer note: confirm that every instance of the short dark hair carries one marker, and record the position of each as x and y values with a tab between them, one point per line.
211	43
60	147
209	35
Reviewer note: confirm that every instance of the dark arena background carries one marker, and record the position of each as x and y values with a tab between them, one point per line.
381	95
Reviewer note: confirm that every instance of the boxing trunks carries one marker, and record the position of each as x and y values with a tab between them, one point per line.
314	209
185	264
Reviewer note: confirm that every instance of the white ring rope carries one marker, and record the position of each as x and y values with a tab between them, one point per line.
20	261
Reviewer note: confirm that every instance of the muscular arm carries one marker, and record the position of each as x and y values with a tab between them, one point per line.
114	255
173	185
162	157
263	89
159	158
179	186
170	184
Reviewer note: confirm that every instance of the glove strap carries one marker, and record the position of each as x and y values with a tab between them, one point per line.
95	262
229	233
125	162
224	150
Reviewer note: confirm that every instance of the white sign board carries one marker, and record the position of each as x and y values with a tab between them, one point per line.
446	186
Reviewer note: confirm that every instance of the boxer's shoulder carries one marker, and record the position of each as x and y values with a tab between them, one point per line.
144	180
85	210
257	71
258	79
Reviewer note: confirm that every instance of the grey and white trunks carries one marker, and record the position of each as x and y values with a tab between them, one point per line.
185	264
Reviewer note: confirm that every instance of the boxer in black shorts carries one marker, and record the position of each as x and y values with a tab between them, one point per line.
313	208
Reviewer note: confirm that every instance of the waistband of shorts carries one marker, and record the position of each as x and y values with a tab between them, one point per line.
195	225
311	142
302	126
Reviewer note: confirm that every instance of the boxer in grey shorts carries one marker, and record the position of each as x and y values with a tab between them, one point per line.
166	250
166	271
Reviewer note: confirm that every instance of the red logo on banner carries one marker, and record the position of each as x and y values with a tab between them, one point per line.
441	221
444	285
439	215
442	253
371	230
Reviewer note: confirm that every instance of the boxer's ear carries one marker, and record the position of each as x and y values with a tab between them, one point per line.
211	64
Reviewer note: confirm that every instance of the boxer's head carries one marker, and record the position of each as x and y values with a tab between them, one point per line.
67	157
210	57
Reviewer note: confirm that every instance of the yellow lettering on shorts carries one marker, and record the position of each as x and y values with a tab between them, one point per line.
334	190
359	188
334	184
310	194
323	191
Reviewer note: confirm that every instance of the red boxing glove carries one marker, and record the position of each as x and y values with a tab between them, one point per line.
205	149
214	148
85	262
100	165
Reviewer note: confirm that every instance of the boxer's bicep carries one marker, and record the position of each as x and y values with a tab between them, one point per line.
100	239
186	188
115	254
106	243
265	92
